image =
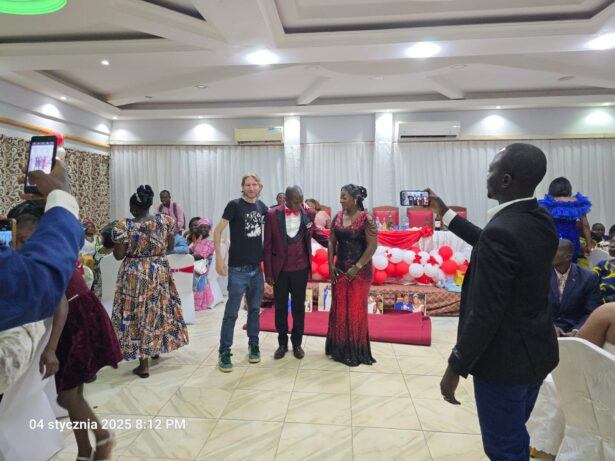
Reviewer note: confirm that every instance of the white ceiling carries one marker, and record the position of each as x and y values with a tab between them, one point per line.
335	56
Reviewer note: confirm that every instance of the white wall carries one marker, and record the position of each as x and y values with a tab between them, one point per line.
343	128
33	108
184	131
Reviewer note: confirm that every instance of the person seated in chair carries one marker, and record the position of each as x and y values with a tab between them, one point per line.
574	291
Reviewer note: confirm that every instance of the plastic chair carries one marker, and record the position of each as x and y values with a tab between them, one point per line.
596	256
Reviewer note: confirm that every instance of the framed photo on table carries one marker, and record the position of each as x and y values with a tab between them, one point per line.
325	295
309	300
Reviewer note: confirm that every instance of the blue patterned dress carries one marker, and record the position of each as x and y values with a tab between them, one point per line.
566	214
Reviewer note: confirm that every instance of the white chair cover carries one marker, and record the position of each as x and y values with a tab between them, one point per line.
183	283
596	256
24	402
585	381
546	425
109	267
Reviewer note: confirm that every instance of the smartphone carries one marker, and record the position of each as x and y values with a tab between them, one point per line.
8	230
414	198
42	156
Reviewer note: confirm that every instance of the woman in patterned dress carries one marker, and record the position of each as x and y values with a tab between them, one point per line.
147	312
202	249
353	240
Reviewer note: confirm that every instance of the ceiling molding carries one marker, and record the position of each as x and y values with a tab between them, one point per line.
444	86
313	91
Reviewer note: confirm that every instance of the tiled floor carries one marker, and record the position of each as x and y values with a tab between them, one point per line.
312	409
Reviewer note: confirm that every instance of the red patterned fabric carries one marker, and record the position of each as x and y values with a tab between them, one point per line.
348	335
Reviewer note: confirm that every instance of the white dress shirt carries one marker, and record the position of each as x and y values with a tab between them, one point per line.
293	223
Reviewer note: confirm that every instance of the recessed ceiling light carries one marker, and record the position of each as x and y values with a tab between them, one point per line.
31	6
148	97
105	62
200	116
565	78
604	42
312	68
201	87
498	107
63	98
598	117
262	58
115	117
423	50
377	77
459	66
606	103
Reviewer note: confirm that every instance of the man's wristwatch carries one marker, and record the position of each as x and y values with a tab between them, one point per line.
359	265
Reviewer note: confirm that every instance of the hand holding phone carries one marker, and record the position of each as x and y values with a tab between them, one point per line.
41	158
414	198
8	231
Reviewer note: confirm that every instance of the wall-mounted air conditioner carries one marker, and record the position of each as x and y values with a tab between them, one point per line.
272	134
408	131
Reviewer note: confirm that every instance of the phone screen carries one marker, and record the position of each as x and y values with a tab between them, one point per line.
6	233
42	152
414	198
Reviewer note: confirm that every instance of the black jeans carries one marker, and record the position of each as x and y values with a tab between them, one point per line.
293	283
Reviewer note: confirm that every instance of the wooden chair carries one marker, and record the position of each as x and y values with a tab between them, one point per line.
419	216
382	212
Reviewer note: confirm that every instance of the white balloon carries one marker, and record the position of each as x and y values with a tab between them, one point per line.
416	270
380	262
433	253
441	275
458	257
431	270
408	256
380	250
438	259
395	255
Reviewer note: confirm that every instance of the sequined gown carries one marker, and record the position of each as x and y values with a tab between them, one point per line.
348	335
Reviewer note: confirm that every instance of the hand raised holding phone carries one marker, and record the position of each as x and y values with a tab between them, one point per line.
46	183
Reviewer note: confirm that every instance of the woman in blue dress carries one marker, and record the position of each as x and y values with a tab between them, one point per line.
567	211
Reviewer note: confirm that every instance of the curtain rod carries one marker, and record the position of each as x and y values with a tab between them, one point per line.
39	129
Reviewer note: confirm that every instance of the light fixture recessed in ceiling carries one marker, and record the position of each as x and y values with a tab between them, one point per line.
607	103
603	42
598	117
105	62
31	6
115	117
63	98
423	50
377	77
262	58
565	78
200	116
498	107
459	66
148	97
201	87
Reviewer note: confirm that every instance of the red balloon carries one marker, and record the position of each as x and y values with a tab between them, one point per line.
449	267
323	270
446	252
59	136
401	269
321	256
424	279
391	269
380	277
315	267
416	249
463	268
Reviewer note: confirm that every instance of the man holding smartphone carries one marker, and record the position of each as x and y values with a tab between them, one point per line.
34	279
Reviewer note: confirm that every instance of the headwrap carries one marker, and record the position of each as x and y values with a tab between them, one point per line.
203	222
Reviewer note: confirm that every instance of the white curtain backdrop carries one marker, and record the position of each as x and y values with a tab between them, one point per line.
201	178
457	171
204	178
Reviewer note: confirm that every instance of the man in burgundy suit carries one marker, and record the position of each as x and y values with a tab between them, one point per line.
288	260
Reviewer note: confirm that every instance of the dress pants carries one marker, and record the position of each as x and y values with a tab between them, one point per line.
293	283
503	411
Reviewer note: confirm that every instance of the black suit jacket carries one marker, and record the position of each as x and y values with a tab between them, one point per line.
506	333
581	296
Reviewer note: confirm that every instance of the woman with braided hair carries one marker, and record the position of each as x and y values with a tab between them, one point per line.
353	241
147	312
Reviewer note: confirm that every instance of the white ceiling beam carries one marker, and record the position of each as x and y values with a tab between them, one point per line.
240	22
159	21
445	87
52	87
313	91
204	77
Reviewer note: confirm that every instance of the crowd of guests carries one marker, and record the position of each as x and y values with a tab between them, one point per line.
273	245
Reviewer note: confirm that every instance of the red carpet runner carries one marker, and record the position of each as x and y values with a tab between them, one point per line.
398	327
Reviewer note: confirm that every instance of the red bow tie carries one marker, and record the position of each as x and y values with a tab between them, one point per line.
289	212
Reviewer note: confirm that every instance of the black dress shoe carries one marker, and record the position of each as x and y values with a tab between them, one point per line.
298	352
280	353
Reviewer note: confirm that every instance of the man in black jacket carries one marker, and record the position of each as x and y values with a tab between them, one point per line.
506	338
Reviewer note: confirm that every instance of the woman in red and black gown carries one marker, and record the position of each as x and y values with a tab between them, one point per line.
353	241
